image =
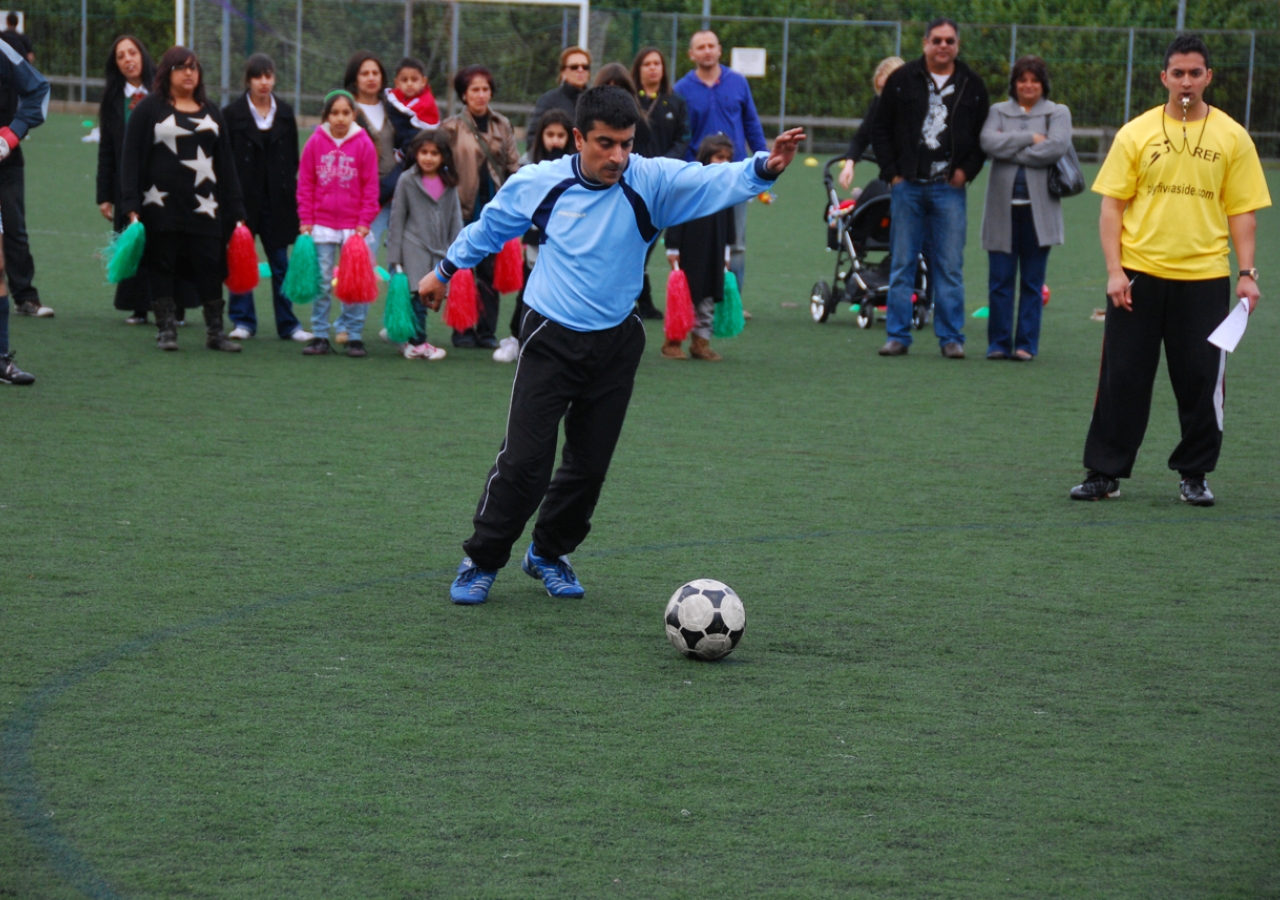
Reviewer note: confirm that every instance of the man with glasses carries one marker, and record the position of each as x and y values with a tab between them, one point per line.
926	141
575	72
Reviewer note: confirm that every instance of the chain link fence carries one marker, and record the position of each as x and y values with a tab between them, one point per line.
818	75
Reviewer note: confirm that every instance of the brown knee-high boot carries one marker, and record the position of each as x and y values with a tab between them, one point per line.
166	324
215	338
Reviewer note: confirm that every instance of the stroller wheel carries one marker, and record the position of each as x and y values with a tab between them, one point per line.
866	314
820	301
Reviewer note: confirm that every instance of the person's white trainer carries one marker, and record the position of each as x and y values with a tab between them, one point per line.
383	334
508	350
301	336
423	351
240	333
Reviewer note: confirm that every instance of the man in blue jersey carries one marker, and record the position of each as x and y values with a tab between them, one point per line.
597	213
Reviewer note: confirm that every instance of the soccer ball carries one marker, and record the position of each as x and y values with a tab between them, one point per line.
705	619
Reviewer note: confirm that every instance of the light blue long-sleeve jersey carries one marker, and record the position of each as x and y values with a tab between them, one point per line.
594	237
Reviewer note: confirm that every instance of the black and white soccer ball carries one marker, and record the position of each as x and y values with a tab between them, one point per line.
705	619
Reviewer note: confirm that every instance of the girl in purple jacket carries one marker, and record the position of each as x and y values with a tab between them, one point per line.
337	197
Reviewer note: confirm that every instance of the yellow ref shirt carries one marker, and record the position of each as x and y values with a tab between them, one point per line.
1175	225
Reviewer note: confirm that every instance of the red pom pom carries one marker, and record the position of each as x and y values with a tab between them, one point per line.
356	281
679	320
508	270
460	311
242	262
1045	294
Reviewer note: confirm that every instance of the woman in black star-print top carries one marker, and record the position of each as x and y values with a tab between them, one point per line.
179	178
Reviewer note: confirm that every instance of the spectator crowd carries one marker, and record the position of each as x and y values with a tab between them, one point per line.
385	166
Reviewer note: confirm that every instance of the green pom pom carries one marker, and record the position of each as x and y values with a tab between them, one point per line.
981	313
729	320
124	253
397	317
302	281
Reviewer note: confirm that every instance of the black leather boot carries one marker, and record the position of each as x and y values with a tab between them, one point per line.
215	337
166	325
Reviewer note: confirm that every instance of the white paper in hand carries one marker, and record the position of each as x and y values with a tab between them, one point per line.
1228	334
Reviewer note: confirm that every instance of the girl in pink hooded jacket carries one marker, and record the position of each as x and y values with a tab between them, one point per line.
337	197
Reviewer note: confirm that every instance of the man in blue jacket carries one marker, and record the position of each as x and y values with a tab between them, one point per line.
597	213
720	102
24	102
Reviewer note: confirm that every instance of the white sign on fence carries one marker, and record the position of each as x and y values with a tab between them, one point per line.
748	61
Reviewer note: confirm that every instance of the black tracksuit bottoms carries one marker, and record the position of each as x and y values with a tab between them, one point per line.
586	379
1181	315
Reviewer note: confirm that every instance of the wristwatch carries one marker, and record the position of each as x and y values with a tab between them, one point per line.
1248	273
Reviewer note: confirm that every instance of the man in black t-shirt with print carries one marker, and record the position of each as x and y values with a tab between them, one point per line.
925	136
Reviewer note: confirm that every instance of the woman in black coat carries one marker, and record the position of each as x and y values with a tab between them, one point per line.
129	73
264	140
178	177
665	111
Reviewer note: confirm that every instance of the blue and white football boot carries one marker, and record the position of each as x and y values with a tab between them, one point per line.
556	574
472	584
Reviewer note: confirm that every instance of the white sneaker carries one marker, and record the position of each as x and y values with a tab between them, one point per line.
44	312
424	351
383	334
508	350
240	333
301	336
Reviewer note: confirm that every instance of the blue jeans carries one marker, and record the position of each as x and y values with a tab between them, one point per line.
1032	259
377	228
353	314
241	308
930	215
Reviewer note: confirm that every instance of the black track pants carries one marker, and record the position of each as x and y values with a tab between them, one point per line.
584	378
1181	315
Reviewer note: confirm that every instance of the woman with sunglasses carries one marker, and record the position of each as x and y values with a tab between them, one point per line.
179	179
575	74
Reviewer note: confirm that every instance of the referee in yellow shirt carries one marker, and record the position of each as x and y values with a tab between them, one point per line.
1177	181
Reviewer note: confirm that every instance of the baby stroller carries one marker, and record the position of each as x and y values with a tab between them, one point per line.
855	230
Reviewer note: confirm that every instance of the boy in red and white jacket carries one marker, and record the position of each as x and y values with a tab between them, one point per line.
412	99
337	197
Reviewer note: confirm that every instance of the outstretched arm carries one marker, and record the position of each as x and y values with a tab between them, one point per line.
689	191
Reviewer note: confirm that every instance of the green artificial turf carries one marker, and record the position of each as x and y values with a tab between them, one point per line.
230	669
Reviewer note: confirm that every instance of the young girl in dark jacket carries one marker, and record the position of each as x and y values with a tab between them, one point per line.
129	73
264	139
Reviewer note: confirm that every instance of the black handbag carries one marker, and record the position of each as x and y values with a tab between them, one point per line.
1065	177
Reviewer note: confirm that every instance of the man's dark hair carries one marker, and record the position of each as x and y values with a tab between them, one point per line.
1033	64
1187	43
713	144
358	59
12	19
608	105
258	65
938	23
174	57
463	80
412	62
